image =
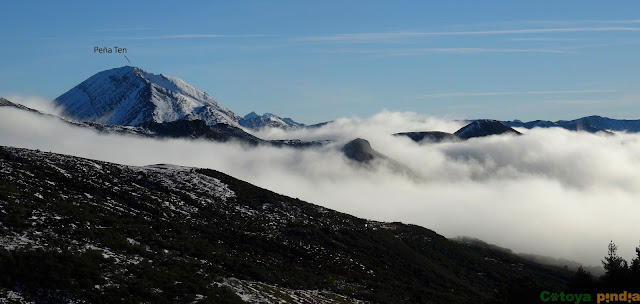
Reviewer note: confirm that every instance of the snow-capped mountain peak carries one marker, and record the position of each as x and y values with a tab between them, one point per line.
255	121
251	115
132	96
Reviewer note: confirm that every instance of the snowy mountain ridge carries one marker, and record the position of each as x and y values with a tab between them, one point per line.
255	121
131	96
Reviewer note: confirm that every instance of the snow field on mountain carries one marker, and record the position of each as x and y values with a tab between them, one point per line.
131	96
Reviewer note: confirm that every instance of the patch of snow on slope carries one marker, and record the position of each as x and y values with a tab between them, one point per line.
185	177
257	292
10	296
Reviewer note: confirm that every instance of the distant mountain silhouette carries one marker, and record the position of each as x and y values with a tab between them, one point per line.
484	127
360	151
429	136
590	124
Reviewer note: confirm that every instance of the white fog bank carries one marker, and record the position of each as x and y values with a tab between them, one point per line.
549	192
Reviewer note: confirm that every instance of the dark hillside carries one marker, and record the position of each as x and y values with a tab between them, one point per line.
78	229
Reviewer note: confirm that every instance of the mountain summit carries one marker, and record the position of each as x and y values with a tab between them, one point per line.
484	127
255	121
131	96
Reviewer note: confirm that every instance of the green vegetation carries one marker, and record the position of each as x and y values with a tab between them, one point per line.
619	275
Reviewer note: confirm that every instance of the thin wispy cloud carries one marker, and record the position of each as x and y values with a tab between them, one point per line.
627	99
390	36
605	44
472	94
616	21
194	36
577	101
127	29
426	51
544	39
548	23
584	22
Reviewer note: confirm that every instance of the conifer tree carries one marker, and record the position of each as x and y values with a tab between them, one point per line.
634	268
616	271
582	281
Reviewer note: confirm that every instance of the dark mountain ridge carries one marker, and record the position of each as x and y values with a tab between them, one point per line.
476	128
429	136
591	124
7	103
79	230
484	127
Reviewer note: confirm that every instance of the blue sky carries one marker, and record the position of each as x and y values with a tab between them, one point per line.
316	61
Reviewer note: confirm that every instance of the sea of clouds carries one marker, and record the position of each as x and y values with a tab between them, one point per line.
549	192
